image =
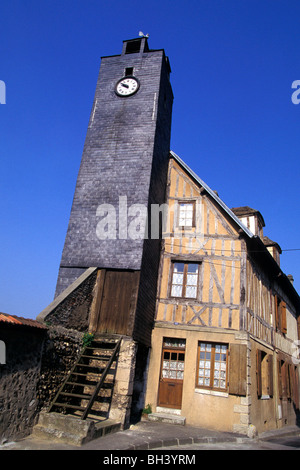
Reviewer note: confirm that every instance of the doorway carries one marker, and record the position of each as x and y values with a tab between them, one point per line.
171	373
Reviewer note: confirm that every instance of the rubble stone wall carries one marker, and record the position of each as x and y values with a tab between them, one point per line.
19	379
61	349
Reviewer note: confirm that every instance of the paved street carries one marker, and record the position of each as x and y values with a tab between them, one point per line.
283	443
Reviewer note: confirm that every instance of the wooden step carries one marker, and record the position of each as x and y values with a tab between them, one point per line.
83	396
67	405
98	373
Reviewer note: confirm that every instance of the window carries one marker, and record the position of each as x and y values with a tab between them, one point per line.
280	315
212	366
128	71
133	47
185	280
186	214
173	358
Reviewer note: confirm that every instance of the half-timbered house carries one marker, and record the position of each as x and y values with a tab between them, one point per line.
225	332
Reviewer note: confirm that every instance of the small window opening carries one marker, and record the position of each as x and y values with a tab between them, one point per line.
133	47
128	71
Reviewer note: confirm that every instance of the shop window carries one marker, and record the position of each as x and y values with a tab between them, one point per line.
212	366
184	280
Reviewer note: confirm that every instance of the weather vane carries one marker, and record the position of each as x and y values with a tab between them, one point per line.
143	35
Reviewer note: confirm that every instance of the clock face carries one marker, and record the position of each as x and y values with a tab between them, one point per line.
127	86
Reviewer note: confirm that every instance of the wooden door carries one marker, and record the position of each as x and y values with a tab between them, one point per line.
118	302
171	374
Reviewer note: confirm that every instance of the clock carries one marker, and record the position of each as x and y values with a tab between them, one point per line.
127	86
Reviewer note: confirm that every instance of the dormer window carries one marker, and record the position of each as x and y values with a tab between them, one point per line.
251	218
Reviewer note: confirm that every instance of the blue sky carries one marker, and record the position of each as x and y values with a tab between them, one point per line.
233	63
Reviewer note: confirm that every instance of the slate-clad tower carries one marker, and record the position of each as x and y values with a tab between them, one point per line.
124	161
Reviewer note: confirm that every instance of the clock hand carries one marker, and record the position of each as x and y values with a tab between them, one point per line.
124	85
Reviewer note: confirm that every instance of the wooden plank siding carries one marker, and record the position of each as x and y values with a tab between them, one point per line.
260	304
215	244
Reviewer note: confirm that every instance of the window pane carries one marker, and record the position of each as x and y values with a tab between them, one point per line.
176	291
220	366
178	267
191	292
178	278
191	279
177	281
193	268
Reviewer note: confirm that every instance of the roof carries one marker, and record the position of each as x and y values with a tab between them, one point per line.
20	321
255	245
212	194
268	242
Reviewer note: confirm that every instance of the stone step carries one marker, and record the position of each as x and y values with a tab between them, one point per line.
71	429
167	418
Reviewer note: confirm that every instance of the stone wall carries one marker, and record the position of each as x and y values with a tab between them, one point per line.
123	389
73	311
61	349
19	379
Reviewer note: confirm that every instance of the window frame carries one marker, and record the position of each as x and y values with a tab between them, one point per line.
184	283
212	367
186	202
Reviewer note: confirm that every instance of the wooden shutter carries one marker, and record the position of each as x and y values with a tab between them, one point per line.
283	316
296	388
279	378
276	313
238	369
270	374
283	378
258	373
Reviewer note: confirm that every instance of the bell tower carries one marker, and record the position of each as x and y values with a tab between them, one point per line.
123	170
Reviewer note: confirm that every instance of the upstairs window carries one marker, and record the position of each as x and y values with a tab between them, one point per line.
184	280
186	217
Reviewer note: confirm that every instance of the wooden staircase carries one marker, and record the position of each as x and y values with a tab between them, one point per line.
87	390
